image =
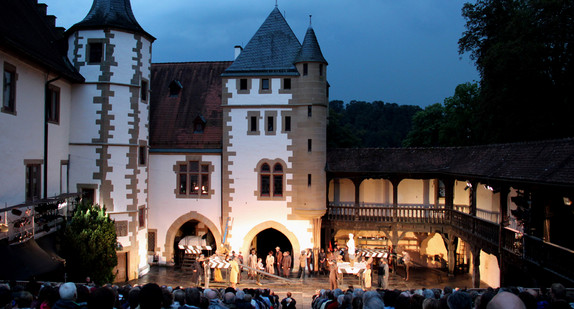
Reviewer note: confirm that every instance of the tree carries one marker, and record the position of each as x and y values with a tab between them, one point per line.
524	52
89	244
459	124
426	128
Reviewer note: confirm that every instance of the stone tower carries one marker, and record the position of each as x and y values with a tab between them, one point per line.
274	138
109	126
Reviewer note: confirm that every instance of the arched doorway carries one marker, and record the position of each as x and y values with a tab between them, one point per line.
174	229
193	232
267	240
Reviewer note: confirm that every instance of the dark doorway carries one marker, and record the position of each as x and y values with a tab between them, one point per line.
193	228
268	239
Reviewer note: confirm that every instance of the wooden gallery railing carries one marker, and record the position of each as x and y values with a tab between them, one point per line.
552	257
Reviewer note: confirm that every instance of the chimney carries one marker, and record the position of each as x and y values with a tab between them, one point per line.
51	20
238	50
42	8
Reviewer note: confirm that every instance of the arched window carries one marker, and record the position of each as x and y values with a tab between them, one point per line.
271	181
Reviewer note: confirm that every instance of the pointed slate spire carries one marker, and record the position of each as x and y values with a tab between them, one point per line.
111	14
310	50
271	51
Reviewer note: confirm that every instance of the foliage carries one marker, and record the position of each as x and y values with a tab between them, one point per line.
451	124
366	124
89	244
523	50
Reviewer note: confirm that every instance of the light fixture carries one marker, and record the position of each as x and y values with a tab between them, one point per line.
567	201
3	228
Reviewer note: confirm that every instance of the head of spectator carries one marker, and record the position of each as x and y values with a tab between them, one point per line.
431	303
5	296
459	300
166	298
83	293
447	290
229	298
403	301
179	297
557	291
102	298
528	299
357	303
24	299
150	296
134	297
483	300
68	291
372	300
505	300
427	293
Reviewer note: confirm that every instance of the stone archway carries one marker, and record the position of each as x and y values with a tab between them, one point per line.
176	225
273	225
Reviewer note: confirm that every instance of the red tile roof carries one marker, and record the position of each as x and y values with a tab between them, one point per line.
172	117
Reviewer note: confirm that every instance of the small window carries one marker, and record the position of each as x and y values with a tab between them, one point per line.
309	145
308	180
95	52
243	84
253	123
9	89
309	111
193	179
33	182
142	155
144	90
320	69
286	83
175	88
199	124
265	84
305	69
270	124
271	182
53	104
141	217
287	123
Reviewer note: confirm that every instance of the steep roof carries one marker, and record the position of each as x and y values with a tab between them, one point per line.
271	51
544	162
310	50
111	14
172	117
25	30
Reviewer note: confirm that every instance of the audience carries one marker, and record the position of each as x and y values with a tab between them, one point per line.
151	296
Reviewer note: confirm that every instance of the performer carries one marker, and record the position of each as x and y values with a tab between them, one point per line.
310	262
286	264
408	263
270	263
383	281
234	272
367	276
333	274
252	262
302	265
278	259
351	249
259	267
323	262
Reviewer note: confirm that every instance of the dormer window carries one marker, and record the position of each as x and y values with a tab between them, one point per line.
175	88
199	124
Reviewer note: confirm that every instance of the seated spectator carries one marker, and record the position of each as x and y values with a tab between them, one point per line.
102	298
68	295
24	300
288	302
150	296
459	300
505	300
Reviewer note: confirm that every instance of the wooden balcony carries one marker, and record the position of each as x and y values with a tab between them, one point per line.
486	234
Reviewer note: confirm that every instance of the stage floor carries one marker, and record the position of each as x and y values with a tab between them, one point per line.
303	291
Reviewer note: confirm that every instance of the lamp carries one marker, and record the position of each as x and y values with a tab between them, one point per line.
567	201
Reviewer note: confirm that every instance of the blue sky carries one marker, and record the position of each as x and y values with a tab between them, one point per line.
401	51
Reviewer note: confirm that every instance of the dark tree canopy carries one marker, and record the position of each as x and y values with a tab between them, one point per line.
366	124
523	50
89	245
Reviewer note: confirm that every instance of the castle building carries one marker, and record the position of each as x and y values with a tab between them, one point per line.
232	155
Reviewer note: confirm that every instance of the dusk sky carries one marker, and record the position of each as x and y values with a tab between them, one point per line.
403	52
